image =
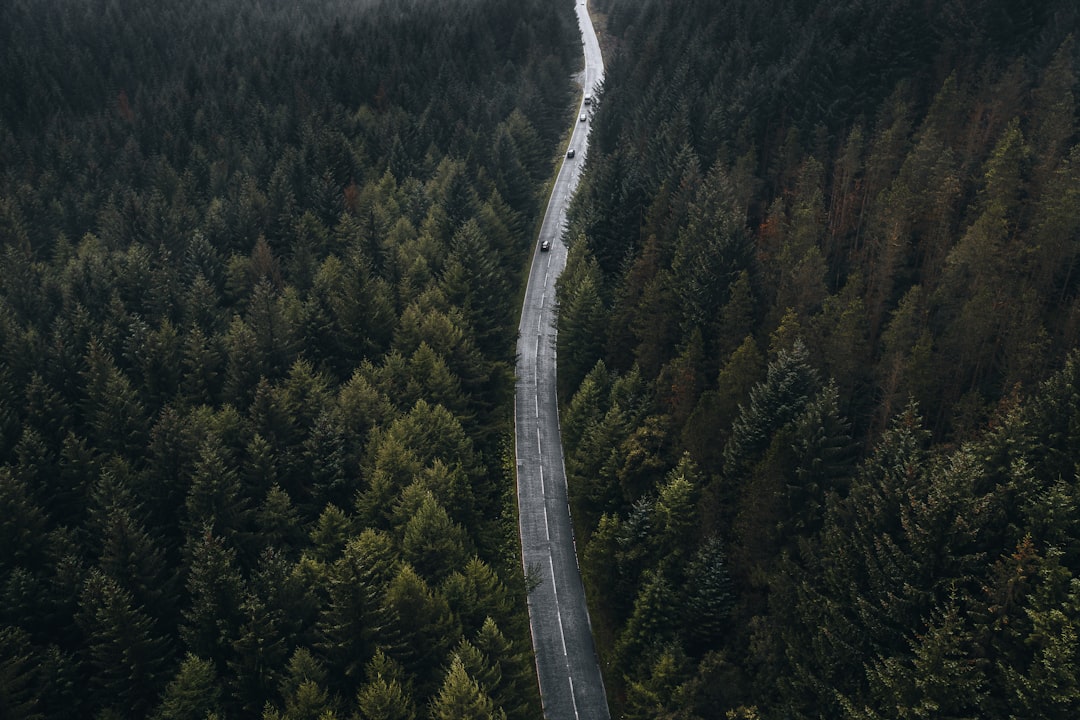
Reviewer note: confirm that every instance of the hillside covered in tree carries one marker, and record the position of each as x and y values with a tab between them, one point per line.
256	346
817	359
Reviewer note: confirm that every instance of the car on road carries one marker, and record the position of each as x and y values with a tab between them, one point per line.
545	246
570	153
582	118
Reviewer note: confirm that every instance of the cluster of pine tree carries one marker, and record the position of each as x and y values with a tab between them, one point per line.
256	353
823	454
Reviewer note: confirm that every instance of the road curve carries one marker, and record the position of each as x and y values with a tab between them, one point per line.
571	685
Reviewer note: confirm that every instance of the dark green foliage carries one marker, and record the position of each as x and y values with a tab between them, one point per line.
212	620
385	695
354	618
23	525
195	692
462	697
127	657
420	624
18	699
834	246
773	403
709	597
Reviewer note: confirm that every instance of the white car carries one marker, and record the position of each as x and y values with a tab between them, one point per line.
545	246
582	118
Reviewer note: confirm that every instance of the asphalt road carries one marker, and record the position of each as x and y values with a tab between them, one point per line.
571	685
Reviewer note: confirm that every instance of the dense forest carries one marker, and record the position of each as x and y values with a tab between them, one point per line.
256	353
817	359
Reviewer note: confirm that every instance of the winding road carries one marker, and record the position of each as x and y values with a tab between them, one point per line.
571	685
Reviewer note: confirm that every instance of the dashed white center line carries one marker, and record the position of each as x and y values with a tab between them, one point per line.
558	613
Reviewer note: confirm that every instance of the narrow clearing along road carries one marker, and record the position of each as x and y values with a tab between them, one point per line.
571	685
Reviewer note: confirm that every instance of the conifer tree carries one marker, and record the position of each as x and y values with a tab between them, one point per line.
216	587
432	543
194	692
115	418
709	598
355	619
581	311
461	697
215	498
128	656
420	628
19	684
516	688
477	595
385	695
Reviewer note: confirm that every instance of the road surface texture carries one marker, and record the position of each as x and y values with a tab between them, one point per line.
571	686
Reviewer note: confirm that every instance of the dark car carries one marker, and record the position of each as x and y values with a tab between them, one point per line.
545	246
570	153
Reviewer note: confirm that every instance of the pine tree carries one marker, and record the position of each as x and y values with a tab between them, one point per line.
330	534
710	255
19	682
215	498
871	580
581	311
754	457
516	690
709	598
277	520
194	692
460	698
115	418
130	556
707	430
420	629
432	543
650	625
22	527
476	594
773	403
257	654
244	365
656	695
430	379
212	620
481	290
128	656
385	695
355	620
676	510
